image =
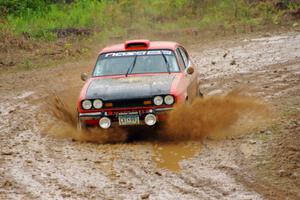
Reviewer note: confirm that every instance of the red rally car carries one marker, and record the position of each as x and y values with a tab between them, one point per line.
136	83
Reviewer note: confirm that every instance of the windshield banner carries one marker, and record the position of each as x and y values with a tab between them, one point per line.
138	53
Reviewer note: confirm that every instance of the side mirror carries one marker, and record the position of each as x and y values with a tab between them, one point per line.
190	70
84	76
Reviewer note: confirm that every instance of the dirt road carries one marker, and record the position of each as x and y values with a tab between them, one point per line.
264	164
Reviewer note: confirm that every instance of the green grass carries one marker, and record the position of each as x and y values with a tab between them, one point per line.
28	28
118	17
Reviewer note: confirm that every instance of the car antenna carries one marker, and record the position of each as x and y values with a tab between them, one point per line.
131	66
166	61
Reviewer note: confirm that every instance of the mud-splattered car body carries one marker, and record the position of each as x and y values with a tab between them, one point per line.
128	88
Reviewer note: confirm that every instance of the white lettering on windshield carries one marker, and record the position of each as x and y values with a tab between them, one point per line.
138	53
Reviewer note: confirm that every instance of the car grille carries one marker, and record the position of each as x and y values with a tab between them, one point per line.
129	103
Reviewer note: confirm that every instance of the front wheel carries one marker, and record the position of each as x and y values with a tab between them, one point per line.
80	125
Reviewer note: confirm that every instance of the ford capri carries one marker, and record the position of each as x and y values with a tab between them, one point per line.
136	83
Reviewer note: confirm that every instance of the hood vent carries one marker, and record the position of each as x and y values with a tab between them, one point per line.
137	44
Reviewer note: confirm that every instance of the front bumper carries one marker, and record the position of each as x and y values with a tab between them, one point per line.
105	113
92	118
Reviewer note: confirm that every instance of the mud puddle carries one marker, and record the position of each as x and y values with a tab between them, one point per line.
169	155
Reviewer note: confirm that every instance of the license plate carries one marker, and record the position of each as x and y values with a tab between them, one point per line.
129	119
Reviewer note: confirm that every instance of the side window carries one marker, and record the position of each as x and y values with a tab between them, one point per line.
185	56
180	60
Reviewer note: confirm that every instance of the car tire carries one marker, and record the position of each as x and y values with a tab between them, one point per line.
80	125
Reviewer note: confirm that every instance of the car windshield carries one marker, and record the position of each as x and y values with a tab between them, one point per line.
136	62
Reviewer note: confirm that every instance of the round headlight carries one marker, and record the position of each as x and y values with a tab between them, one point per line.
158	100
97	103
169	100
86	104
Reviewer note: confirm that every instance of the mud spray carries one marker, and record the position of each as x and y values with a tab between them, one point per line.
214	116
64	125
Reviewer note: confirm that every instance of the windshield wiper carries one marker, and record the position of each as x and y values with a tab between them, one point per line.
131	66
166	61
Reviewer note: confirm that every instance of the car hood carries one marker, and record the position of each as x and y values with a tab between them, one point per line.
130	87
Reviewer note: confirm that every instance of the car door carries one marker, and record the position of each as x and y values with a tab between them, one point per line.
192	87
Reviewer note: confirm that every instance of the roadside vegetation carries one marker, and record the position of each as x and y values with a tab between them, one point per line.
35	24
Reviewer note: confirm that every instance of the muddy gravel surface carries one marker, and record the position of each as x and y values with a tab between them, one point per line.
262	164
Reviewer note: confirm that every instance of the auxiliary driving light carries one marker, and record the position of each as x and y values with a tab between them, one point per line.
104	122
150	119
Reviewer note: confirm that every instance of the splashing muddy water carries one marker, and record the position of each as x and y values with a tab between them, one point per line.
63	109
215	117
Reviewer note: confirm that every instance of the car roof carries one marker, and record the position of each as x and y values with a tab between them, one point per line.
149	45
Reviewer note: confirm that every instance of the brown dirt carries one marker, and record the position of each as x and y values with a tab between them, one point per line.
21	52
262	164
